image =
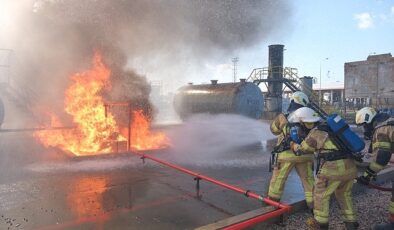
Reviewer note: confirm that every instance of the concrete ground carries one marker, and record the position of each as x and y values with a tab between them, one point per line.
44	189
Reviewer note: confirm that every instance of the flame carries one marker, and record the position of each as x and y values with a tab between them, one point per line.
141	136
95	129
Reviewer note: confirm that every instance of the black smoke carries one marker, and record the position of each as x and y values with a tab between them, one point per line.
55	38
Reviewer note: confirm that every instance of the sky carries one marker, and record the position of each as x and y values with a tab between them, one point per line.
323	35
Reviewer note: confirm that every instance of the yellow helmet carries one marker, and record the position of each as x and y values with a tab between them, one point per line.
365	115
299	98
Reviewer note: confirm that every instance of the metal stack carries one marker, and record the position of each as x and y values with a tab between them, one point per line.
273	99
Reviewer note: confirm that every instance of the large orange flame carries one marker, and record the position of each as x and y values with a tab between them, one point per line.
96	129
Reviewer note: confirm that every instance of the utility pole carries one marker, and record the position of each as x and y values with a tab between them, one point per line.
235	61
320	94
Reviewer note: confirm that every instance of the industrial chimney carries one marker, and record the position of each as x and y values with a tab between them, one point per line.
273	99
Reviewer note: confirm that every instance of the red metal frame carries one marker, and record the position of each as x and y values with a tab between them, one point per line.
282	208
107	107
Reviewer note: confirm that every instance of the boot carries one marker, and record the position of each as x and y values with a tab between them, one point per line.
310	207
351	225
281	219
384	226
312	224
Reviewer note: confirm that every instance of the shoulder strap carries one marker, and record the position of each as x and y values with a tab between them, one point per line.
388	122
324	127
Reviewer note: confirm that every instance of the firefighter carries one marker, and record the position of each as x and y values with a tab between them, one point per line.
379	128
335	173
285	160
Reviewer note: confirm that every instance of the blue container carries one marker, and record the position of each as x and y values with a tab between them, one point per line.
344	133
244	98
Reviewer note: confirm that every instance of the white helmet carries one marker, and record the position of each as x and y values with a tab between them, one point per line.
365	115
304	114
299	98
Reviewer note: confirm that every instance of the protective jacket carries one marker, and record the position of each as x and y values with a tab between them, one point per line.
382	145
286	160
281	128
336	174
382	149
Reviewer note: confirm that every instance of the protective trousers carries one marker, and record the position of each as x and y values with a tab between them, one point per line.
282	171
325	186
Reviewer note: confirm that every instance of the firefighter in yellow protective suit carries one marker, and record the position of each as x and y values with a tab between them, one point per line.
336	173
285	159
380	128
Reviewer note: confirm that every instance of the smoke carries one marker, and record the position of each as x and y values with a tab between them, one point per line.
216	139
169	39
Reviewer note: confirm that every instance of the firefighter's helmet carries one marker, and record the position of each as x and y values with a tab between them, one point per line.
307	115
365	115
299	98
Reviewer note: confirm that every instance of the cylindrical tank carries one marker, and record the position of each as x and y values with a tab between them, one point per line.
243	98
1	112
306	85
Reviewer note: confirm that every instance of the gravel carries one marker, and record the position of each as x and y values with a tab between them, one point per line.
371	205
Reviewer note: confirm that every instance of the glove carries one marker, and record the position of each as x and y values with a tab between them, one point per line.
363	180
368	175
295	148
299	153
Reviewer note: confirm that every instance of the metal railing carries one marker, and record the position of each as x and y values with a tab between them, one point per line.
291	81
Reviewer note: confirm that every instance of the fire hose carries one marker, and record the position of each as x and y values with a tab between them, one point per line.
282	208
375	186
380	188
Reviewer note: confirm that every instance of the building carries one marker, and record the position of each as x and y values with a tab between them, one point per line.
332	93
370	82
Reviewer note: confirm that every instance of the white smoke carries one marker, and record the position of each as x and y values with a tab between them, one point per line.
214	139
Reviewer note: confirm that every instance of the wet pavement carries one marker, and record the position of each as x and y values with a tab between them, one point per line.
48	191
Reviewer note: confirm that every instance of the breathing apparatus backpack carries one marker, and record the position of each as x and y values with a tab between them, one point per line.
348	143
341	129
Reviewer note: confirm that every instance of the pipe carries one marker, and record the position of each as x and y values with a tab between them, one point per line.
256	220
34	129
282	208
380	188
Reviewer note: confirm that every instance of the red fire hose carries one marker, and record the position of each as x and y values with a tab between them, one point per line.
380	188
282	208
